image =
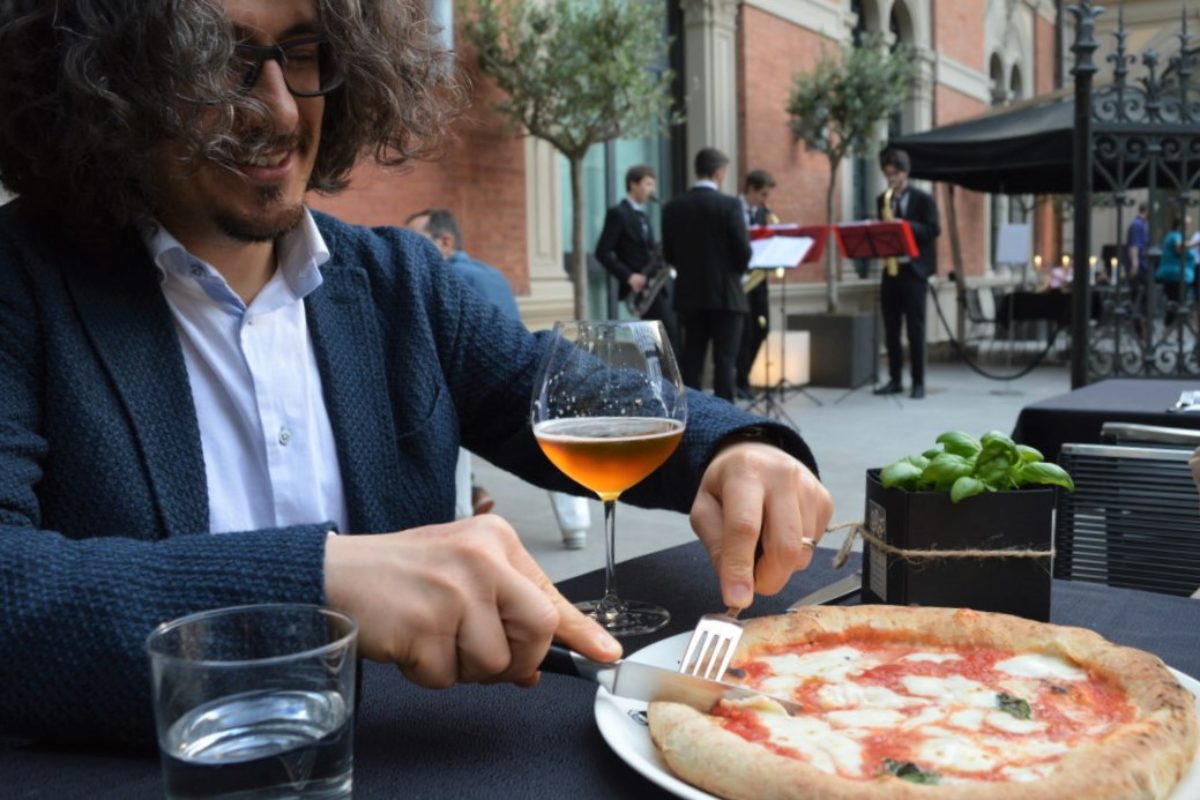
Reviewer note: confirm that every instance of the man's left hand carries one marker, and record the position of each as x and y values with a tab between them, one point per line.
750	491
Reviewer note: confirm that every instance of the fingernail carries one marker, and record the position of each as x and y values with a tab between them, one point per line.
741	595
607	643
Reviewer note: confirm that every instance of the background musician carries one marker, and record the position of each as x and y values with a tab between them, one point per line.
758	186
626	248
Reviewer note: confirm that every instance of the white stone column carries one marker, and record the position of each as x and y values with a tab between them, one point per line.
710	80
550	293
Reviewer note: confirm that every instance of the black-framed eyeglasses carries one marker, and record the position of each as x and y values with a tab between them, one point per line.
309	65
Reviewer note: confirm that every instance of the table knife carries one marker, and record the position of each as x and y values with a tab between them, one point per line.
637	681
835	591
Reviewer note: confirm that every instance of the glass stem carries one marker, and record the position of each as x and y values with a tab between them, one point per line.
610	603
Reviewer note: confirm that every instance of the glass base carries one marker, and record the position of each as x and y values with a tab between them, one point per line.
627	617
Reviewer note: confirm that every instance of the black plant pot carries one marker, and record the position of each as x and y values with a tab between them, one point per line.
990	521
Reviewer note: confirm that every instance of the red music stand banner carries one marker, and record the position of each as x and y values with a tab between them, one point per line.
877	239
818	233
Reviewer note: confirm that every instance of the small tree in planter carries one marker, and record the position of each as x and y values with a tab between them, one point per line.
837	108
576	74
967	523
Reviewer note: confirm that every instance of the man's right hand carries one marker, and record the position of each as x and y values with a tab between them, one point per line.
456	603
637	282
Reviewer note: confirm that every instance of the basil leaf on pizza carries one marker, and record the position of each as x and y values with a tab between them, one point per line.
934	704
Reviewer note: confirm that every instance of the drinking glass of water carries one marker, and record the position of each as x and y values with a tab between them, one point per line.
255	702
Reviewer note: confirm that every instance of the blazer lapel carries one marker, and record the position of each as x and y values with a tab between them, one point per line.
348	346
130	325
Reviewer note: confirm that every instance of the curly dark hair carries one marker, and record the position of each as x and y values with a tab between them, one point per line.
89	88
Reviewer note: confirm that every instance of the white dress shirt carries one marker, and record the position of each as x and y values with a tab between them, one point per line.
269	453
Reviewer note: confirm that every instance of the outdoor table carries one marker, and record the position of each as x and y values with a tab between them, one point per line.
1078	416
500	741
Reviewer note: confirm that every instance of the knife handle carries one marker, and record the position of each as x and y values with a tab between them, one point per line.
563	661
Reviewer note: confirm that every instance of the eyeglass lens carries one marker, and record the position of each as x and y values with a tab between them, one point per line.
308	65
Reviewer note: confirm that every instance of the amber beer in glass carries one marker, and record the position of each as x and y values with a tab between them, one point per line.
609	409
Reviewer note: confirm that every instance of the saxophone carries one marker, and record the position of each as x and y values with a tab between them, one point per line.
658	274
759	275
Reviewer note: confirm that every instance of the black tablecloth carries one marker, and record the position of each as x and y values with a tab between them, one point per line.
1078	416
499	741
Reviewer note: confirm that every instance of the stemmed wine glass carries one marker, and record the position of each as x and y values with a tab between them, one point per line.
608	409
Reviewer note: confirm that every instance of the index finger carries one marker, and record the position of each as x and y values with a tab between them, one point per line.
575	629
742	512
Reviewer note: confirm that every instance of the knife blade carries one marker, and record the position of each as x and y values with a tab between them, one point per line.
637	681
835	591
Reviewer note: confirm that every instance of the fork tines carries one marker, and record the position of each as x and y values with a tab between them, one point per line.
711	647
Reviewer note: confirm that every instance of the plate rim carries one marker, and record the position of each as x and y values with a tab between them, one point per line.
608	707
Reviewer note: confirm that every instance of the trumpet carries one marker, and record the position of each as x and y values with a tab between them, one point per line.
658	274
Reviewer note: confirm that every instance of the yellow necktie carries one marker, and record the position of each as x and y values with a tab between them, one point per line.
890	263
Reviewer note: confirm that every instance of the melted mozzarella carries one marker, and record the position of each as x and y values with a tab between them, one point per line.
1026	748
1027	774
823	747
828	665
866	718
1001	720
1036	665
970	718
955	753
954	690
927	715
852	695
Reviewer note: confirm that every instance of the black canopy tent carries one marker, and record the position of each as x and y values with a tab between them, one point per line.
1023	148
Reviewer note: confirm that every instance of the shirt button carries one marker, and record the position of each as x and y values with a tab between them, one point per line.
285	436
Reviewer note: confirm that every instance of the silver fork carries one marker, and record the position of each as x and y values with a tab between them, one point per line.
711	647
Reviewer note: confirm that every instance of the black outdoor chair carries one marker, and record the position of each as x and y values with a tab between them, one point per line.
1134	518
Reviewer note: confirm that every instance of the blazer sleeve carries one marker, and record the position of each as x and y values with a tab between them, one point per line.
76	612
606	246
491	366
924	219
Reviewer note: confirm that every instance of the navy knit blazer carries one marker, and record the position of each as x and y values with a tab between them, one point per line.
103	499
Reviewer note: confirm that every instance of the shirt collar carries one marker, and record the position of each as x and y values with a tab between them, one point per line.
636	206
299	253
705	183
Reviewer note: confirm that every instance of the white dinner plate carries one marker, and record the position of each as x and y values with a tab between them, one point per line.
622	723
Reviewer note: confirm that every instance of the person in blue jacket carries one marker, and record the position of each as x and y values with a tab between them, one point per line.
1177	261
210	394
440	227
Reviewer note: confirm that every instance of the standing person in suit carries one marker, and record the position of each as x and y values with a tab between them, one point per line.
705	239
626	247
902	293
759	184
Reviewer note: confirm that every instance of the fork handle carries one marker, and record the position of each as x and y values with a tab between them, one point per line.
563	661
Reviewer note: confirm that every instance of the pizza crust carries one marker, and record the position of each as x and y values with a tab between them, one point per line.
1143	759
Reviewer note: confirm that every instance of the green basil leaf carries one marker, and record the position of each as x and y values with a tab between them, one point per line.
993	466
1029	454
1045	474
932	453
908	771
944	470
965	487
1011	704
920	462
996	437
959	443
901	475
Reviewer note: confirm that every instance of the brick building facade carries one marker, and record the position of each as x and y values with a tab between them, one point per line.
738	60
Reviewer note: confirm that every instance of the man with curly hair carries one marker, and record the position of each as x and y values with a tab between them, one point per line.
204	384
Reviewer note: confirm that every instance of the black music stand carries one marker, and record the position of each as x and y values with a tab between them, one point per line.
769	401
875	239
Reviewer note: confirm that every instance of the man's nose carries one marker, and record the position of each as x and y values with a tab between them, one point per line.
272	89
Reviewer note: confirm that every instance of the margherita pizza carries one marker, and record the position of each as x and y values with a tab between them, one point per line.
934	704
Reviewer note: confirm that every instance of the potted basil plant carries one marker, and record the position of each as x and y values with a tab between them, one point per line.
967	523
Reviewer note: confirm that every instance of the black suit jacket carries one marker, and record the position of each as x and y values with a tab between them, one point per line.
624	246
920	210
705	239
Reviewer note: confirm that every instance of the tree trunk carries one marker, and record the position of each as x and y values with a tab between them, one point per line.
579	275
831	289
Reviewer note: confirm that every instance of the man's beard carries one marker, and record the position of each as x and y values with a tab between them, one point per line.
265	227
